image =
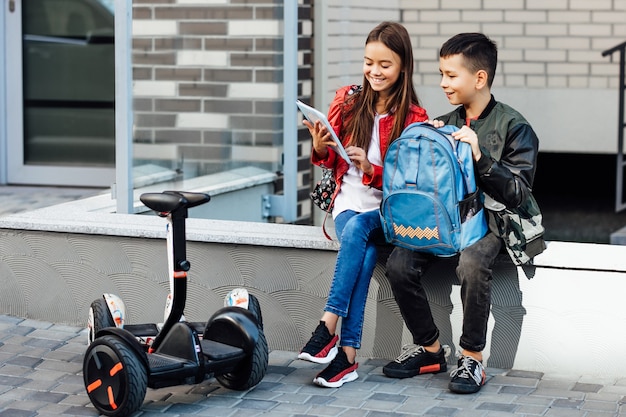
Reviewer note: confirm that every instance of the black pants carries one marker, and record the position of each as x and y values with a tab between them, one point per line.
405	269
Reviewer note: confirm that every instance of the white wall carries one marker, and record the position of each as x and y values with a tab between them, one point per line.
571	316
575	311
566	120
550	66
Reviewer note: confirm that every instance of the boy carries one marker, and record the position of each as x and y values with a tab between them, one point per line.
504	147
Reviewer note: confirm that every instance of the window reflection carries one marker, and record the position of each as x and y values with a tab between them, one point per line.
69	87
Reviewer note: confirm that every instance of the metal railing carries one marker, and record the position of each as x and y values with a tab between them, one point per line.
619	195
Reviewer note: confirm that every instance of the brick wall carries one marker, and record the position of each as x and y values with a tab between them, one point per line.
208	76
542	43
346	27
208	84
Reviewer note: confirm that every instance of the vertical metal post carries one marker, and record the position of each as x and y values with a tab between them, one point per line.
285	205
619	182
320	77
619	203
290	140
123	187
3	97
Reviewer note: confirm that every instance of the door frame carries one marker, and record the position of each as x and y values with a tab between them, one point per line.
16	171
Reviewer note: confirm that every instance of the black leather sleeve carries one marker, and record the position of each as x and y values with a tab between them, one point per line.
510	179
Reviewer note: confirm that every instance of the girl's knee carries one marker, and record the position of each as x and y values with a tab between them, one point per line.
355	231
351	227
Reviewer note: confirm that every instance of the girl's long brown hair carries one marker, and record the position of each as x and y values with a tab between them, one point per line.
360	108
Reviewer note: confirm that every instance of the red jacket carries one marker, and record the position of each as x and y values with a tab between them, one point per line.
337	163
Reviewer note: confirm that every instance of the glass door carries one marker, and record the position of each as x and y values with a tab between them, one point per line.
61	92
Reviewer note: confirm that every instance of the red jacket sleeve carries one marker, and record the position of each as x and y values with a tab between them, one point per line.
335	120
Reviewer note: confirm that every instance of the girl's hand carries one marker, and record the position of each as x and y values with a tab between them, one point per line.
436	123
466	134
321	138
359	159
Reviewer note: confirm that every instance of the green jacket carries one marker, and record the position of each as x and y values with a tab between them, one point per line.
506	171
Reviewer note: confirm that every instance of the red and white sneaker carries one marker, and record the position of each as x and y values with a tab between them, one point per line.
322	347
338	372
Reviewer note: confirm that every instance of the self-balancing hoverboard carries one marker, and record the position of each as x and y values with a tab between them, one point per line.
121	360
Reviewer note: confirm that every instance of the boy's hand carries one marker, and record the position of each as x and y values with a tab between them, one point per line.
321	138
466	134
359	159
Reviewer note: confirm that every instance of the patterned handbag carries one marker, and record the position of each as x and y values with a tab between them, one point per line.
323	194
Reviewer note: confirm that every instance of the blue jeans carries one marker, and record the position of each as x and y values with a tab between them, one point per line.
405	269
358	233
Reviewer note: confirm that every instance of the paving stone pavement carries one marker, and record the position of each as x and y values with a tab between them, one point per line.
41	375
18	199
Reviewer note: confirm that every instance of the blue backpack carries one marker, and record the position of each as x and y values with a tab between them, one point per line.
430	199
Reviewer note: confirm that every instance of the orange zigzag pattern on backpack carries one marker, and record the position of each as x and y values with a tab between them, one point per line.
419	233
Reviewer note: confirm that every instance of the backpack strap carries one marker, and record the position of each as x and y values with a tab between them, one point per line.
469	182
332	202
469	177
324	227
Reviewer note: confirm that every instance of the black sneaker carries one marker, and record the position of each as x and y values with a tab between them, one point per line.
338	372
469	377
415	360
321	346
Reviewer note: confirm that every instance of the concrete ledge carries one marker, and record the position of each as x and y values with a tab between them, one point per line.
94	216
55	261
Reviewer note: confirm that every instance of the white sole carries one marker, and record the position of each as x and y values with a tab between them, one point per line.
347	378
331	355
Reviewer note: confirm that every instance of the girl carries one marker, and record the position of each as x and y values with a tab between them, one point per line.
366	120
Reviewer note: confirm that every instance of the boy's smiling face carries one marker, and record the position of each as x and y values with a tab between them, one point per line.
457	82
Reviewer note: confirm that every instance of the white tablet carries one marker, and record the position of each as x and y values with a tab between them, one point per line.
314	115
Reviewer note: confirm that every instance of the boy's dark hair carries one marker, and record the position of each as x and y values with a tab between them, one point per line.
480	52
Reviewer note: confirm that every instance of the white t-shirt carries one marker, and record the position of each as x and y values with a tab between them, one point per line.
353	195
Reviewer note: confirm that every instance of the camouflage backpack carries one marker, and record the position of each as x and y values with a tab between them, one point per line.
521	228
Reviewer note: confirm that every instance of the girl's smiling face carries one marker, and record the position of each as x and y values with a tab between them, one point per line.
381	67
